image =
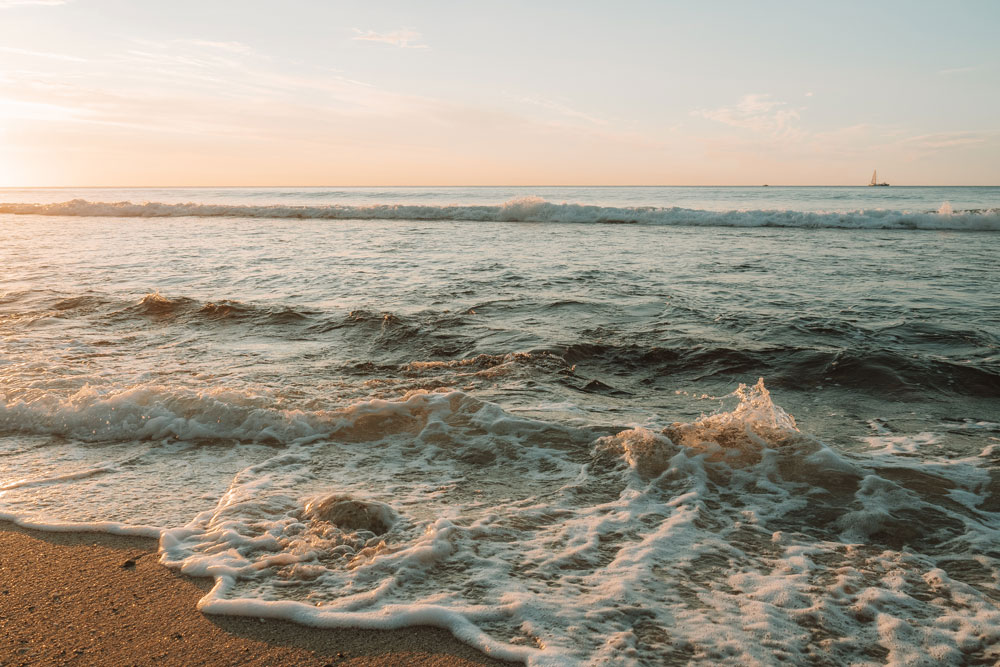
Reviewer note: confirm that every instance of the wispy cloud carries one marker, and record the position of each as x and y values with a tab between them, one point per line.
36	111
7	4
938	141
564	110
958	70
223	66
42	54
757	113
404	38
196	86
195	49
229	47
928	144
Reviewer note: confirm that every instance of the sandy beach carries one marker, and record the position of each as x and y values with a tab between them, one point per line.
97	599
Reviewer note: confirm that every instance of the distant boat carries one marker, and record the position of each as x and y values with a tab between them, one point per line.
875	180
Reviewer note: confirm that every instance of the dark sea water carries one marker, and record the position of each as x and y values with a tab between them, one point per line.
572	425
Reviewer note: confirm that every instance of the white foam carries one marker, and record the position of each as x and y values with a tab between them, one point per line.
536	210
733	539
110	527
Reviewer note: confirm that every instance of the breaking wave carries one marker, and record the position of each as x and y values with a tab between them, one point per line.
157	305
535	209
733	539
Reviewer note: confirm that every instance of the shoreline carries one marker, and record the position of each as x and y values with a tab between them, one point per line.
69	598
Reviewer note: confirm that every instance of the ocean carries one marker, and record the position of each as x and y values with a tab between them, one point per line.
574	426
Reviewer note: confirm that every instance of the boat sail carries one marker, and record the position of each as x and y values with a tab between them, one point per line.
875	179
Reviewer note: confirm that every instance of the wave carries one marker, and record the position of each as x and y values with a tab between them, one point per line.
730	539
903	359
536	210
631	542
158	306
153	304
157	412
882	371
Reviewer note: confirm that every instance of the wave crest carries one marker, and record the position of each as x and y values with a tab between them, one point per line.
755	424
533	209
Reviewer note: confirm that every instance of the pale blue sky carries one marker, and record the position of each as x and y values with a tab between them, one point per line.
102	92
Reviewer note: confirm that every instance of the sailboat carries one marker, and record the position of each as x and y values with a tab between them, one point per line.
875	180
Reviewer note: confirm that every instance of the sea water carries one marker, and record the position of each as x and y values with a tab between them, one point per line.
571	425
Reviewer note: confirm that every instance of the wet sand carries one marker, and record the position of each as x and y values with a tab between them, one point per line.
97	599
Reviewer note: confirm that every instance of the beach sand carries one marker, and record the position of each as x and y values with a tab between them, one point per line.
97	599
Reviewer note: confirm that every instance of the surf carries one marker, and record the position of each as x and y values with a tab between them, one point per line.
531	210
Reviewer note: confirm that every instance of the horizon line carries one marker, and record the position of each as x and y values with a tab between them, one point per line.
441	185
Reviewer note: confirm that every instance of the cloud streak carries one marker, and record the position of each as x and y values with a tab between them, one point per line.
757	113
957	70
229	47
404	38
42	54
563	110
8	4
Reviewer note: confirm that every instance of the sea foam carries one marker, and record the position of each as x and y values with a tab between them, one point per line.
534	210
735	538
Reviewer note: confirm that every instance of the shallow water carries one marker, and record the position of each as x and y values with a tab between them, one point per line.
517	422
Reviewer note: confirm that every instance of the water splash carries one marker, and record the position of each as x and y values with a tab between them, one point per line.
755	424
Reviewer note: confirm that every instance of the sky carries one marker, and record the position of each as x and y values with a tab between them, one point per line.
311	92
